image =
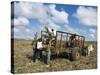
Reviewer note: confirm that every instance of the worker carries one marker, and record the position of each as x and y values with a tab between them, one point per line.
52	32
38	50
72	39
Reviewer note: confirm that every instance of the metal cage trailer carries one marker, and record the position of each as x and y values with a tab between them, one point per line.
71	44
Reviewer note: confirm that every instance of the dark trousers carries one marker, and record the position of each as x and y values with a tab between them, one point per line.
37	54
47	57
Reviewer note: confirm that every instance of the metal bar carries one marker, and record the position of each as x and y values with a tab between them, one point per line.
61	42
41	35
78	41
70	33
56	41
83	41
67	38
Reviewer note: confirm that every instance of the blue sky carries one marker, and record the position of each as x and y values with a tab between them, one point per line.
29	18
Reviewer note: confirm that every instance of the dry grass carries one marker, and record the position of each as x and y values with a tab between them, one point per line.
23	60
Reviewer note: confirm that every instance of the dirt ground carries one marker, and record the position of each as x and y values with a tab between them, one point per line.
23	60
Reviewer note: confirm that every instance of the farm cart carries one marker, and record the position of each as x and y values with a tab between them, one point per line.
72	44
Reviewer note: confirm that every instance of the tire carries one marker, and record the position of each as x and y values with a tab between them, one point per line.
76	54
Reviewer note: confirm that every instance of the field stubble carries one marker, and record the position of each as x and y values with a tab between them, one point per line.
23	60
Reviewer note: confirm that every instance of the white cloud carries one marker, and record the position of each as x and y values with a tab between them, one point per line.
92	30
23	8
28	30
52	24
40	12
20	21
58	16
30	10
93	33
16	29
24	32
86	15
48	15
70	29
92	36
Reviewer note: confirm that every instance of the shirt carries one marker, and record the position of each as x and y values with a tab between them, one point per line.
39	45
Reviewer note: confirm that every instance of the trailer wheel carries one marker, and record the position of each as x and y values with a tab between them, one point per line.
75	55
